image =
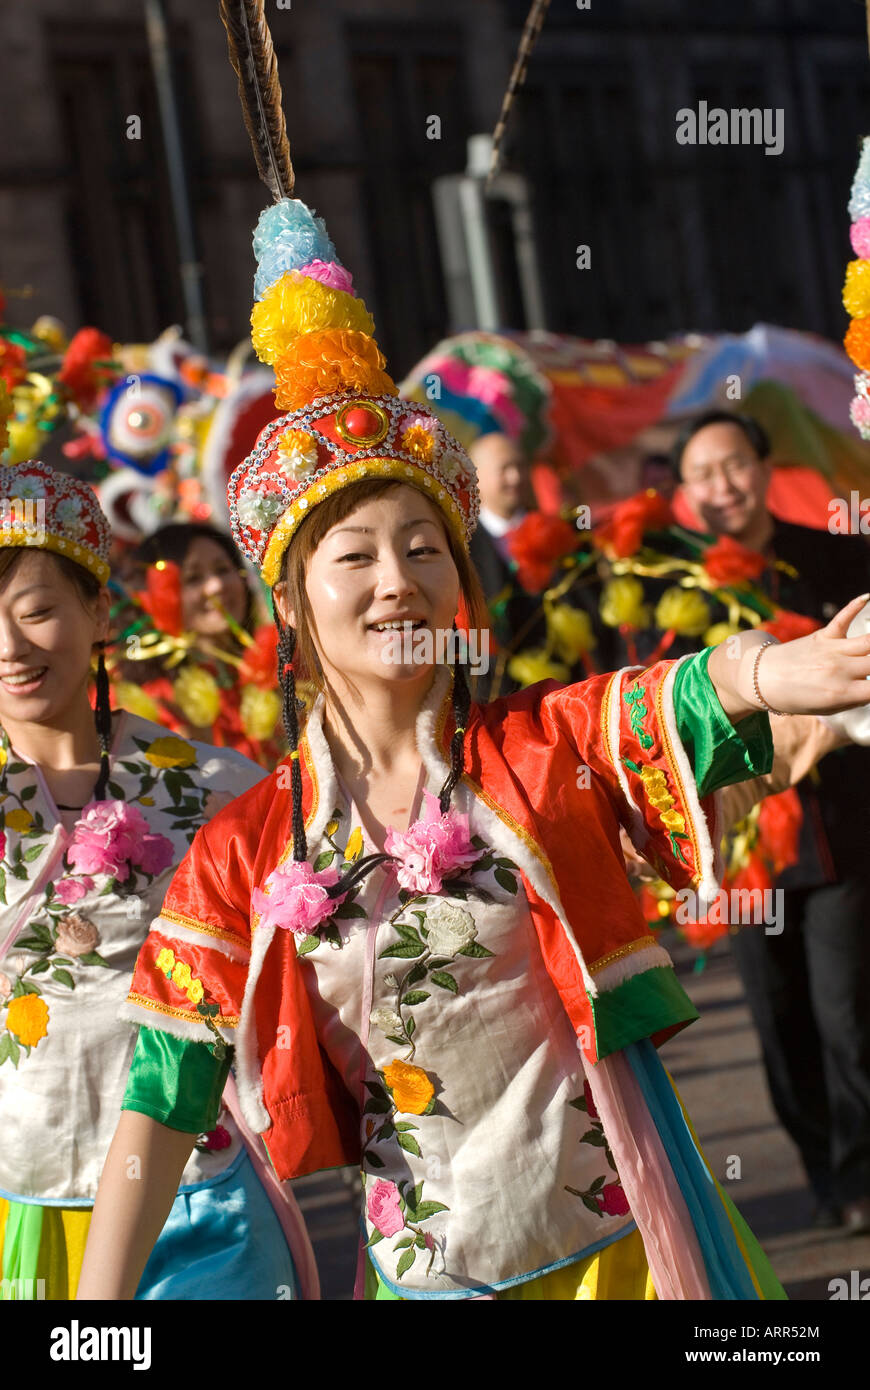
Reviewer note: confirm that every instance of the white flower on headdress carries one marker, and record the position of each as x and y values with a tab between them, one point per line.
453	467
260	509
29	487
297	455
68	514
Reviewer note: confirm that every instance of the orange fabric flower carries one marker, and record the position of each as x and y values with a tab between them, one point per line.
331	360
27	1018
857	343
412	1090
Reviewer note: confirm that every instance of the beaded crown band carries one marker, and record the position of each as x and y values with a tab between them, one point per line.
345	420
46	510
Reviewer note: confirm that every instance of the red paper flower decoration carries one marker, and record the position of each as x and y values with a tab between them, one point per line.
536	546
79	372
13	364
729	562
623	532
162	597
259	664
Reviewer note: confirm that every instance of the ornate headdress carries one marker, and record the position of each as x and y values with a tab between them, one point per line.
345	420
45	510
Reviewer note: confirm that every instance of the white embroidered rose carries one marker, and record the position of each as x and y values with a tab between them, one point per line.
387	1020
450	929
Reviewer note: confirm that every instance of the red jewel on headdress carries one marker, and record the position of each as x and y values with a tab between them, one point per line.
362	424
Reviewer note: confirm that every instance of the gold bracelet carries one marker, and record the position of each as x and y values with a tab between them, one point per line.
758	694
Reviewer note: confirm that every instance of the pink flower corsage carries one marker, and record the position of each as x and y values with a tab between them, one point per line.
296	898
431	849
111	837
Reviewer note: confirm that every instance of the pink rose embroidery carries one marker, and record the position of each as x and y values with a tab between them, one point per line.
110	836
612	1200
297	899
383	1208
76	936
432	848
72	890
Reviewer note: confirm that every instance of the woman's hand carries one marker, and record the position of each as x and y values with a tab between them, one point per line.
819	674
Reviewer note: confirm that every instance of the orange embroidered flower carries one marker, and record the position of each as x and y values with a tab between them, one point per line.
412	1090
27	1018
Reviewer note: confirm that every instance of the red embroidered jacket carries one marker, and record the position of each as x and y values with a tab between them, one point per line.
555	771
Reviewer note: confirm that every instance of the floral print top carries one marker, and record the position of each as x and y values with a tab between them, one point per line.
76	898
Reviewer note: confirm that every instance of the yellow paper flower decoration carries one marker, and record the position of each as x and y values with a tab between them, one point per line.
412	1090
198	697
419	441
570	630
170	752
685	611
296	305
719	632
259	711
856	291
27	1018
529	667
132	697
622	602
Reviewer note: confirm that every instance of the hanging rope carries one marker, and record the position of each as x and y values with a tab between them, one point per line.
532	28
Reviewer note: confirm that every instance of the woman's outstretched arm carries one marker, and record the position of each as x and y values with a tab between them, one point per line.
137	1188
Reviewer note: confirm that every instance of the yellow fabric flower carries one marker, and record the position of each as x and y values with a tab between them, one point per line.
672	820
259	711
534	665
571	631
685	611
27	1018
297	305
165	960
25	441
197	695
419	441
856	291
719	632
195	992
19	820
182	975
412	1090
622	602
4	757
354	846
132	697
170	752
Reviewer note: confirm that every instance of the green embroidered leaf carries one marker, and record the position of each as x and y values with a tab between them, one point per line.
417	972
410	1028
116	791
400	1042
420	1241
403	950
386	1131
483	864
376	1105
375	1088
594	1136
506	880
416	996
5	1039
407	932
374	1240
93	958
142	744
421	916
596	1184
404	1243
475	951
349	910
609	1156
409	1143
324	860
3	886
405	1262
33	852
208	1010
415	1199
478	842
14	1051
373	1161
27	793
427	1209
109	888
444	981
435	964
506	863
40	967
592	1206
131	767
63	977
33	943
432	1106
17	767
60	960
404	1125
309	943
28	987
579	1103
633	767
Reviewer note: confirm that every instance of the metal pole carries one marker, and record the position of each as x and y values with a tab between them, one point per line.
190	266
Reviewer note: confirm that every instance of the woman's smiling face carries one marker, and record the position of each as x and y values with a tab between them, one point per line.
47	634
388	561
